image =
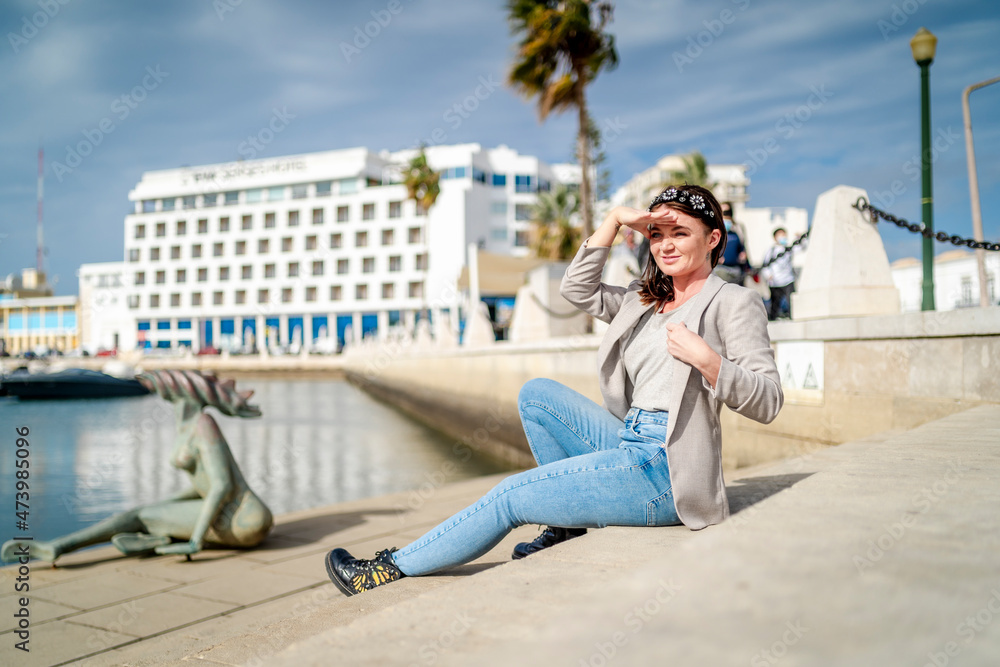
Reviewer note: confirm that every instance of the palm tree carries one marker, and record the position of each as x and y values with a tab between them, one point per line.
695	172
553	234
562	49
421	181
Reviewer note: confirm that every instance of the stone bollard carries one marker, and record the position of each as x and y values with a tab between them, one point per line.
479	328
847	274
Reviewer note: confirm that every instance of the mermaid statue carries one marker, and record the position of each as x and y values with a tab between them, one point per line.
219	509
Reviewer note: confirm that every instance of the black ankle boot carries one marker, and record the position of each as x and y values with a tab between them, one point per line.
355	575
550	536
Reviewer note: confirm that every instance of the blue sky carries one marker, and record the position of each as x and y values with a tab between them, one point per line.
830	87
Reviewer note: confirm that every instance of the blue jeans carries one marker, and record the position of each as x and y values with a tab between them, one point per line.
593	471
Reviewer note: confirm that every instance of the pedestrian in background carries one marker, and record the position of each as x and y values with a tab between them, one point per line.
733	266
777	270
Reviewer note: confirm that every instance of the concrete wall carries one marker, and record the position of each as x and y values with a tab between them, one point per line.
844	379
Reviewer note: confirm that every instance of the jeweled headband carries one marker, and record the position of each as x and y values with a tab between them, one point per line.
692	199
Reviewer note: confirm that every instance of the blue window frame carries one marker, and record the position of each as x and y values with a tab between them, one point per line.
162	325
163	344
369	323
143	325
394	317
207	332
296	321
249	330
183	324
499	180
319	326
343	321
523	183
478	175
227	327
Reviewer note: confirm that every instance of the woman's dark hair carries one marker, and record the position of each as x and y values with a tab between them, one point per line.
698	202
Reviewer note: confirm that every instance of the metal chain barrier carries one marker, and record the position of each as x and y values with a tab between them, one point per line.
552	313
791	246
874	213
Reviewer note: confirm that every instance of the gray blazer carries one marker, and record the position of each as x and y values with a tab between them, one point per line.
732	320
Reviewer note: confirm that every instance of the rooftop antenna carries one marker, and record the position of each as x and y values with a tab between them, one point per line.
41	182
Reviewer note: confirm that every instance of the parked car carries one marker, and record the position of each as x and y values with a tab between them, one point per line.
208	350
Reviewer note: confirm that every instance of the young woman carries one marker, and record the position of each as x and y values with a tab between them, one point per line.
681	342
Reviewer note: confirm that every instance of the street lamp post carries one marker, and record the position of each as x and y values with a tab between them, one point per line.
977	213
923	44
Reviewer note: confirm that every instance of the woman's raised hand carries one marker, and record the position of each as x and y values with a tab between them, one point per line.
640	220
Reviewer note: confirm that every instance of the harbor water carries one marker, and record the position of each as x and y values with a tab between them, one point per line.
318	442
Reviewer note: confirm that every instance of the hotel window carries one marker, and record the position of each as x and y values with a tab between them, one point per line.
154	254
263	246
368	265
246	222
323	188
181	276
232	198
175	252
223	273
498	233
196	251
522	211
254	195
343	213
342	266
209	201
140	231
347	186
286	244
269	271
262	296
361	292
276	193
148	205
311	242
286	295
188	202
202	275
318	267
310	294
217	249
293	269
387	290
522	183
317	216
168	204
224	224
217	298
498	208
268	220
416	290
175	300
387	236
293	218
133	254
395	209
203	226
181	227
241	297
195	298
161	277
140	277
246	272
368	212
361	239
300	191
336	292
414	234
478	175
336	240
161	229
421	211
395	263
421	261
154	300
499	180
521	238
241	248
133	300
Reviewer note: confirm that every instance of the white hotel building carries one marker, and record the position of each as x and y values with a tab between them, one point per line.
306	246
